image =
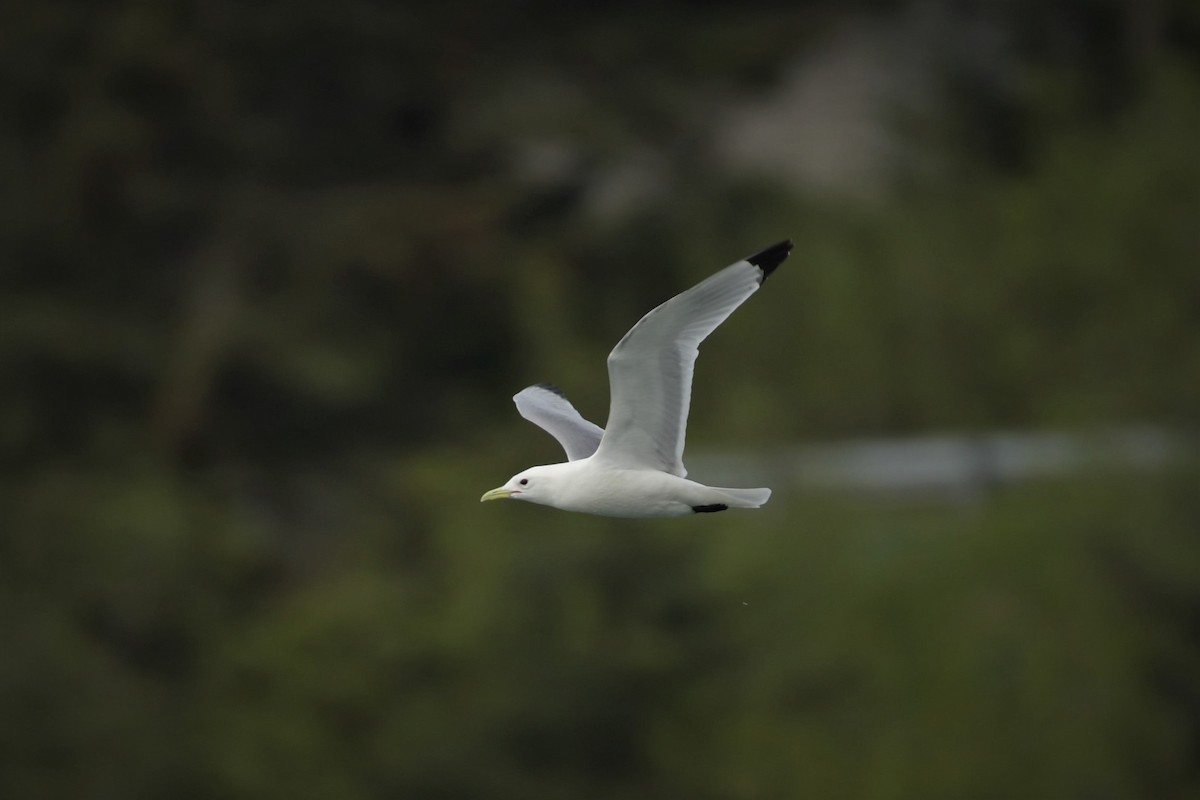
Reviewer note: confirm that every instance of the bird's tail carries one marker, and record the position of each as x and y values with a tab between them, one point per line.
744	498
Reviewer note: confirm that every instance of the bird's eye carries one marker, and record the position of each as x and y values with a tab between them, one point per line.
524	481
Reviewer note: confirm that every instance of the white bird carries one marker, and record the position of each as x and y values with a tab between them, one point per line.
634	467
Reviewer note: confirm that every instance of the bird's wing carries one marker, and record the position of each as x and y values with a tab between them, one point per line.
650	369
545	406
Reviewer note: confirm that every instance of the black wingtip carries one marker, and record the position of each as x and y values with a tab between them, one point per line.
772	257
709	509
550	387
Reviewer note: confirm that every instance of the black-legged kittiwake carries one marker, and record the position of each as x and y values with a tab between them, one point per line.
634	467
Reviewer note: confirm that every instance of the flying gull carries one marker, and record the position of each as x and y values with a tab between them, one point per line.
634	467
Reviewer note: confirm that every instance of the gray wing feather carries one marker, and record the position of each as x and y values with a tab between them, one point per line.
650	369
546	407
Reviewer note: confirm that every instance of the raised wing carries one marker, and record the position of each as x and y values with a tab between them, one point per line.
545	406
650	369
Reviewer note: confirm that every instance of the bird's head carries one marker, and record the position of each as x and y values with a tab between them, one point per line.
535	485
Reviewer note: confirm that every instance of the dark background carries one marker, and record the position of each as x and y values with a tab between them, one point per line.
270	272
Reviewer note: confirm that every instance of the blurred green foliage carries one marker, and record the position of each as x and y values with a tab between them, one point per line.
269	278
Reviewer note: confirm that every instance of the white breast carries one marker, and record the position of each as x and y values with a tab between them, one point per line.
627	493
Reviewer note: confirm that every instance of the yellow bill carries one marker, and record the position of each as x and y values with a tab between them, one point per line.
496	494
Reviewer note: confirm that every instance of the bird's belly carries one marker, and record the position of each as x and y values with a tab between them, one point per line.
631	494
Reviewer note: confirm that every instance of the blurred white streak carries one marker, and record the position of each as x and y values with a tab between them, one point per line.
948	466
